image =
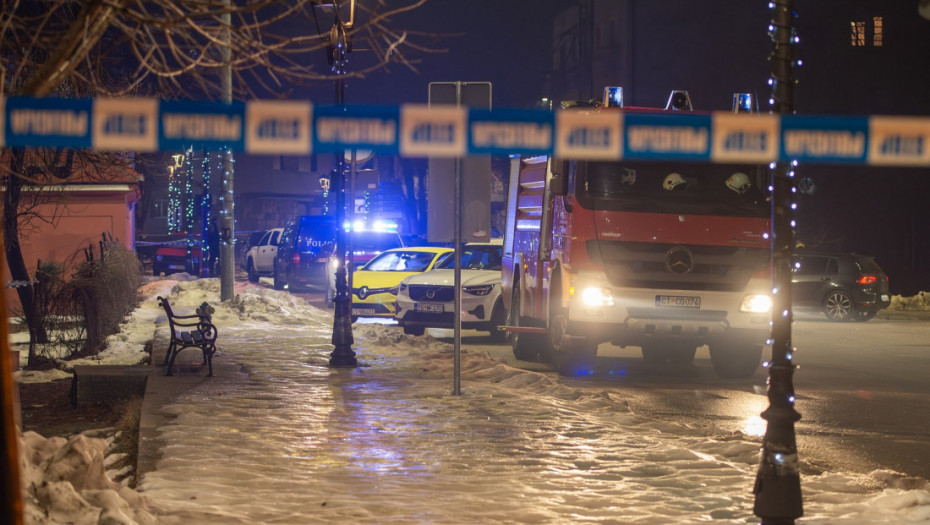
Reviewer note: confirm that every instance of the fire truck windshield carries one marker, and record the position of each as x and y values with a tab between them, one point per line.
668	187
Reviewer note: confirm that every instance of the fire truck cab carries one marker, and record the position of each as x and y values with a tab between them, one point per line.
664	255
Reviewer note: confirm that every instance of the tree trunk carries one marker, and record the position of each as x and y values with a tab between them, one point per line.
14	254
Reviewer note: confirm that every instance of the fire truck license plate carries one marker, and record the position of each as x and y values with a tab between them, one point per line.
426	307
678	301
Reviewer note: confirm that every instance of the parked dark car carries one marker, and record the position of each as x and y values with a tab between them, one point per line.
845	287
304	252
176	259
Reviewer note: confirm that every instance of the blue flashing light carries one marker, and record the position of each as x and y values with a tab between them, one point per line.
742	102
384	226
379	225
613	97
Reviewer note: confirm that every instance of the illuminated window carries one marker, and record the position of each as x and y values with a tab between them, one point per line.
858	33
877	36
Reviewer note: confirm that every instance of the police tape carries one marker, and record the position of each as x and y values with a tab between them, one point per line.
414	130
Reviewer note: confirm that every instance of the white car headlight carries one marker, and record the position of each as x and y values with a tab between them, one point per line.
597	296
484	289
756	304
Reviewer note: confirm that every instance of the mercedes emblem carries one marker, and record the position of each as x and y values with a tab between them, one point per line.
679	260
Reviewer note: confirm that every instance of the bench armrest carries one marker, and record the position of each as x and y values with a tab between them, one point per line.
208	331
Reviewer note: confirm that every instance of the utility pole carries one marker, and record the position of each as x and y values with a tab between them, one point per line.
227	222
778	481
342	355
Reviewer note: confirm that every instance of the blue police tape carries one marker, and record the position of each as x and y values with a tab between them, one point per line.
300	128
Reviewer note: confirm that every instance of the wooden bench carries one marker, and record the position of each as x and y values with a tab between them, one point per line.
190	331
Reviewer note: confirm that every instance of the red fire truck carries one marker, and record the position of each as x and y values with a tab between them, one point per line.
666	256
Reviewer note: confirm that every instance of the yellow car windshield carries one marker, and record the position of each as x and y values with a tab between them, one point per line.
401	261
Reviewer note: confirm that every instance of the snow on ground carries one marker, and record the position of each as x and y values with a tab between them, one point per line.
290	440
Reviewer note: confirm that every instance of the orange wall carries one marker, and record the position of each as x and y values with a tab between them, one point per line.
81	221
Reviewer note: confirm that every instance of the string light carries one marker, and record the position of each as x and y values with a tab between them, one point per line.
178	179
777	487
227	193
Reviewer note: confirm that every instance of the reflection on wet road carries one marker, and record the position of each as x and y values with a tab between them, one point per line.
289	440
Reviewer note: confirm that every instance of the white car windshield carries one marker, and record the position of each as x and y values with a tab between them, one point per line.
476	258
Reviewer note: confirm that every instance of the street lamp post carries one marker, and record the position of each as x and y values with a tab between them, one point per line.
778	481
342	355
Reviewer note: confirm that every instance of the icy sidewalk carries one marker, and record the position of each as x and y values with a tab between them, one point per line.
279	437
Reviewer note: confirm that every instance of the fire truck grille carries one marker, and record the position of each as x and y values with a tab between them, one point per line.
685	267
427	293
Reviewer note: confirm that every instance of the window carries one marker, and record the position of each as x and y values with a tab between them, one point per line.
810	265
858	34
858	37
401	262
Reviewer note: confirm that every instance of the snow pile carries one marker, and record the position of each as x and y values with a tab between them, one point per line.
917	303
65	481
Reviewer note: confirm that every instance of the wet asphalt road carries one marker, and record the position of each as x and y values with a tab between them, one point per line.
863	390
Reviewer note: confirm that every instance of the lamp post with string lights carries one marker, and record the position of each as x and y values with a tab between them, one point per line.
778	481
342	355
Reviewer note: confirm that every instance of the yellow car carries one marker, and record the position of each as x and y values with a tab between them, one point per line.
374	286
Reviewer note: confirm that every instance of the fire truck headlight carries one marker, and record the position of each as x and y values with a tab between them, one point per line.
596	296
756	304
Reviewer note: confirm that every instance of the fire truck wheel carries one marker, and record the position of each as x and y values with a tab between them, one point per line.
735	361
522	344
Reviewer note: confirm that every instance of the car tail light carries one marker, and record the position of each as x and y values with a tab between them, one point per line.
867	279
296	259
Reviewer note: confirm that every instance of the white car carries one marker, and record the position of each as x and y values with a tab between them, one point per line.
259	260
426	300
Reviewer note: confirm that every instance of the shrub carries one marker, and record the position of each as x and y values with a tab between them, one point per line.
79	314
102	292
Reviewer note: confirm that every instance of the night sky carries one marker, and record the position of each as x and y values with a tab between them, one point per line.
505	42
